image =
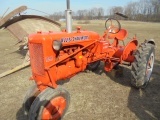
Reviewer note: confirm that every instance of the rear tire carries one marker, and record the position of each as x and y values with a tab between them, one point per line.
142	66
50	104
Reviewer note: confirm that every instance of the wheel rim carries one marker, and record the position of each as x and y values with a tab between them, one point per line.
54	109
149	68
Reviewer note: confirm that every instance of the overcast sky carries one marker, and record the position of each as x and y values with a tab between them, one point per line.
51	6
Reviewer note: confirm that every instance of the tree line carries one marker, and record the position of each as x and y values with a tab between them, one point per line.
142	10
91	14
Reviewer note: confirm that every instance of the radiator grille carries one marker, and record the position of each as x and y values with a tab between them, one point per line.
37	59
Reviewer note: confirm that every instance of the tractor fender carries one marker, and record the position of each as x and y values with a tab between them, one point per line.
128	50
151	41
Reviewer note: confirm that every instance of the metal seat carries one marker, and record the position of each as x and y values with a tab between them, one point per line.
121	35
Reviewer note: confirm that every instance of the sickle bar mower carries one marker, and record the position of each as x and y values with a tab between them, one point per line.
60	55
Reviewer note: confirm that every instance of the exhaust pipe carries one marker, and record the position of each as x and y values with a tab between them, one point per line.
68	18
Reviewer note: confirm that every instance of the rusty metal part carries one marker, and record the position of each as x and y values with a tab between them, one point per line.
23	17
23	25
17	31
12	14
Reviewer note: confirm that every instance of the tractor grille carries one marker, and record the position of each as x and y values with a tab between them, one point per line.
37	59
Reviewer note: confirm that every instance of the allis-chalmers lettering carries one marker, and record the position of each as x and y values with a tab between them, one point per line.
75	38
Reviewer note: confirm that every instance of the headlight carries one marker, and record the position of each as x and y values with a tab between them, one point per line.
57	45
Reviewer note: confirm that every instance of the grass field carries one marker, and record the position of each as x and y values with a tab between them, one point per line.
94	96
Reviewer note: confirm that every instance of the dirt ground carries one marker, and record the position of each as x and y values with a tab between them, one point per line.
95	95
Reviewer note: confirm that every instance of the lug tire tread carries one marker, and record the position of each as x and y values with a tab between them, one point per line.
139	66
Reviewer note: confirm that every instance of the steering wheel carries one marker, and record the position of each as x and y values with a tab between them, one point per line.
112	28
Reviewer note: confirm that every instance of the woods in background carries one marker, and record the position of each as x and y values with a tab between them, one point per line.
142	10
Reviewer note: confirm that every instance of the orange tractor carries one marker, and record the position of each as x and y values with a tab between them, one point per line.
60	55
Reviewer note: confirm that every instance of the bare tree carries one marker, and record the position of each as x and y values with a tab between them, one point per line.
100	13
142	10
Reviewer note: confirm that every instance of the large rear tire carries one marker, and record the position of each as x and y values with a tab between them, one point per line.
142	66
50	104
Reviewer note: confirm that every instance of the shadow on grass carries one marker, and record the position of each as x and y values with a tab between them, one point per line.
21	116
22	52
144	103
120	75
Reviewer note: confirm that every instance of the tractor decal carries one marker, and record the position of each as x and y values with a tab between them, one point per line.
75	38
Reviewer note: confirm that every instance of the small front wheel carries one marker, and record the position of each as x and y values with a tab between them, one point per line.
50	104
31	94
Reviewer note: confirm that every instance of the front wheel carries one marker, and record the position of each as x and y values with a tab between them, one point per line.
142	66
31	94
50	104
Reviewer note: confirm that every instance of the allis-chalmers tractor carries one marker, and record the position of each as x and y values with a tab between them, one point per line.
60	55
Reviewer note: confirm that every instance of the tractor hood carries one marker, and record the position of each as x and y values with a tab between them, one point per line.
76	37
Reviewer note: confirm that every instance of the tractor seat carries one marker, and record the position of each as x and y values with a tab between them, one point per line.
121	35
